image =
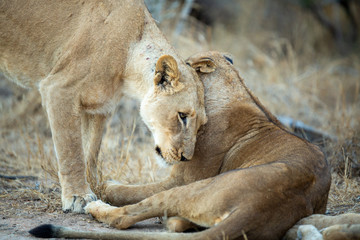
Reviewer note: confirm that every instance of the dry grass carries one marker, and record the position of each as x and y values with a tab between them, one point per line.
294	70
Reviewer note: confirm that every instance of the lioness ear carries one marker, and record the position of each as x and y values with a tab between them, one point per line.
204	65
166	72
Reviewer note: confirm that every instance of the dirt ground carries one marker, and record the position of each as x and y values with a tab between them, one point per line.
20	212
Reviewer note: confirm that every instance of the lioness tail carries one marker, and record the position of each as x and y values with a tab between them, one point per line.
51	231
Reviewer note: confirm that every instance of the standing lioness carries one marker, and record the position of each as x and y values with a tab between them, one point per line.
83	56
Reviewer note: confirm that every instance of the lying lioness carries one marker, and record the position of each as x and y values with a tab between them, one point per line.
240	133
83	56
267	179
279	178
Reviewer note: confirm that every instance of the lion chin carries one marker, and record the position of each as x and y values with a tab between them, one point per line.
168	158
161	162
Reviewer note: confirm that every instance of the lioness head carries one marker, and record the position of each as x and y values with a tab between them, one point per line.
174	110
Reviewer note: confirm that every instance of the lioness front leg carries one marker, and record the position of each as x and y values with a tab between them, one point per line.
178	201
124	217
119	194
114	216
63	108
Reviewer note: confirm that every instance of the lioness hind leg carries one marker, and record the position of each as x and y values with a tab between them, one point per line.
64	116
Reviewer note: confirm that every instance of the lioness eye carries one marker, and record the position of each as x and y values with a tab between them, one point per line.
183	117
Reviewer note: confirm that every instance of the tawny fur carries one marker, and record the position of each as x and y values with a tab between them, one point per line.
248	174
83	56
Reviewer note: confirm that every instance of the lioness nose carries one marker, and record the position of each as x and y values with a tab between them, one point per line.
183	159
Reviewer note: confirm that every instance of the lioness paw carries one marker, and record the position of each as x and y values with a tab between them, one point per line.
95	206
77	203
106	213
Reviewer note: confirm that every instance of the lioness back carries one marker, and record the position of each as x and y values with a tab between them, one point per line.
43	36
